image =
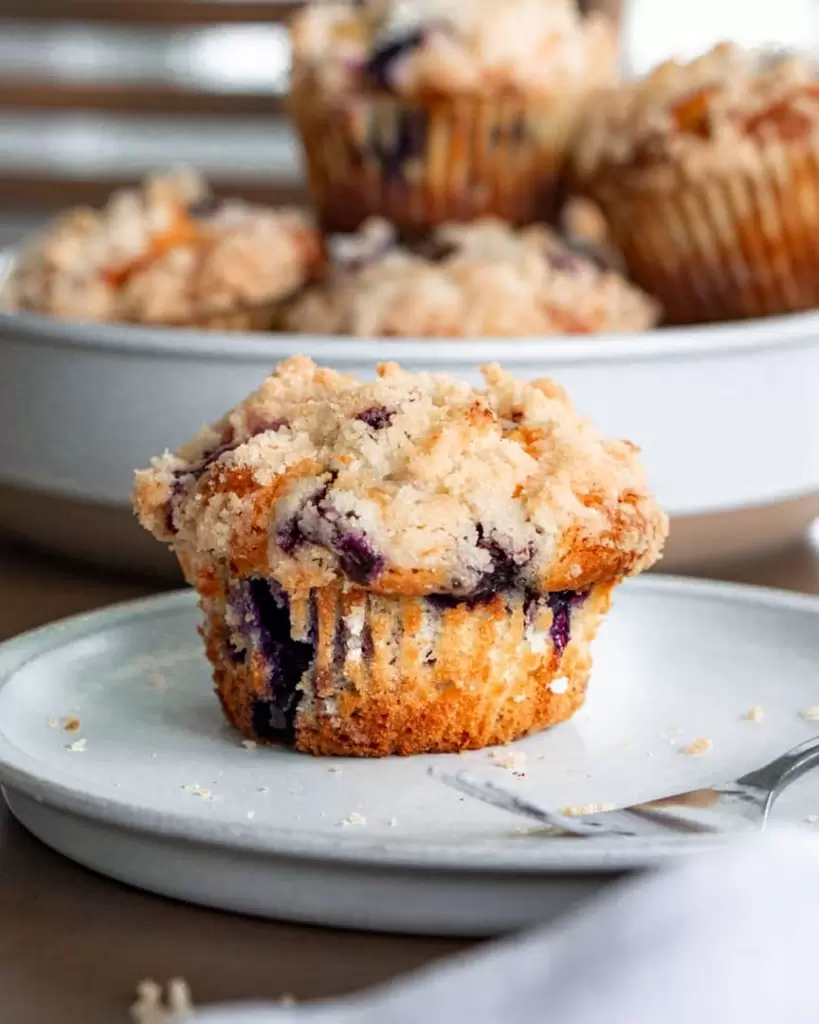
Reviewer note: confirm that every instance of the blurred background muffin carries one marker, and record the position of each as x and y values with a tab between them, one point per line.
708	175
167	253
436	110
476	280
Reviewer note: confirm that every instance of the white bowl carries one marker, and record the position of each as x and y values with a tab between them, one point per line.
727	416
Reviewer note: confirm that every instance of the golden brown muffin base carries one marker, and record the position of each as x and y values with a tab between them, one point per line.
432	681
427	163
729	244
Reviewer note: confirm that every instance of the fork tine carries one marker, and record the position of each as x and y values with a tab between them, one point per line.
506	800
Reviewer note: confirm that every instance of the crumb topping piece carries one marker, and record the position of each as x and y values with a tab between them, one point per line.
451	47
478	280
167	252
410	484
717	110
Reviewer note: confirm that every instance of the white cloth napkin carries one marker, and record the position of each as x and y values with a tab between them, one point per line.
728	938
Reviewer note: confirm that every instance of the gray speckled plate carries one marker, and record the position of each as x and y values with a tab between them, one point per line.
154	789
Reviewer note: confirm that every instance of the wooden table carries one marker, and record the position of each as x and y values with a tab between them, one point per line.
73	945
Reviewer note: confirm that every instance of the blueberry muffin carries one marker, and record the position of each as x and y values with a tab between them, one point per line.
428	111
401	566
167	253
469	281
708	176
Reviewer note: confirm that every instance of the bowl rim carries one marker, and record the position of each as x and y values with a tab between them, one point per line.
664	344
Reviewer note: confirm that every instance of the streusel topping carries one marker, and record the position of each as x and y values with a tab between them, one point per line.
409	484
479	280
446	47
168	252
713	111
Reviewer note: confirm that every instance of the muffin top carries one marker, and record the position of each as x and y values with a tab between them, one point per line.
413	484
716	111
167	252
451	47
479	280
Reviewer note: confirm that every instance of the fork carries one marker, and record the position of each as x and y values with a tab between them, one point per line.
744	804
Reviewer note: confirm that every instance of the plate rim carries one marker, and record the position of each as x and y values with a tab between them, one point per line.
664	344
18	771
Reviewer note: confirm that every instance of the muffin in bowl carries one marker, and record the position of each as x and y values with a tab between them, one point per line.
167	253
430	111
479	280
401	566
708	176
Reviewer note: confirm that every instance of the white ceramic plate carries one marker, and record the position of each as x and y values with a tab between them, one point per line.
677	660
84	404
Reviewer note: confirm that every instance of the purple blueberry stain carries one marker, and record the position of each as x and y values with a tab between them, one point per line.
205	207
561	602
317	522
567	262
290	536
381	60
263	612
377	417
407	143
358	559
581	252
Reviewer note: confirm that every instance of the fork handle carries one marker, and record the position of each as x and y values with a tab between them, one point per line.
780	773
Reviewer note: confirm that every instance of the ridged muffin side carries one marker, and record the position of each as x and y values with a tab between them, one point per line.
341	671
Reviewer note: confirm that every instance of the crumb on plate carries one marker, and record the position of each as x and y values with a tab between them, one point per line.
698	747
354	819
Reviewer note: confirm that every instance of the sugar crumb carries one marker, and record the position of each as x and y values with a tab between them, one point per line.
393	822
754	714
698	747
579	810
559	686
263	789
811	714
812	819
251	814
249	744
52	723
354	819
521	697
287	999
78	746
334	771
